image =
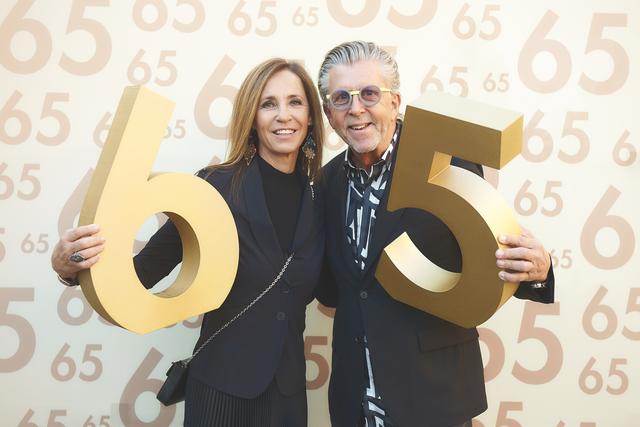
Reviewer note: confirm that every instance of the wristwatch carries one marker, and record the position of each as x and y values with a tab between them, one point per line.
68	282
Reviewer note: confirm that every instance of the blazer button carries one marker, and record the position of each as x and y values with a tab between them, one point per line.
356	340
280	315
364	294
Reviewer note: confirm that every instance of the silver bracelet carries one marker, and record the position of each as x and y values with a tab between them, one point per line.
67	282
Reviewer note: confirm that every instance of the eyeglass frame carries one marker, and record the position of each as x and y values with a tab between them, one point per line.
356	92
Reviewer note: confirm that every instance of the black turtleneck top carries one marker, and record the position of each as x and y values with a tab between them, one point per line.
283	194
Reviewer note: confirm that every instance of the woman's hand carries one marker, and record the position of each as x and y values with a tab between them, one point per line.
84	244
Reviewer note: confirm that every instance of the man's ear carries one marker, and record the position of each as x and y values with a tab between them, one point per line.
396	101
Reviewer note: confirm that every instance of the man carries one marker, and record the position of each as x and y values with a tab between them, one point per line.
394	365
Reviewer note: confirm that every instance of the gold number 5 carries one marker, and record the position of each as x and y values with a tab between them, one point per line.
122	195
438	126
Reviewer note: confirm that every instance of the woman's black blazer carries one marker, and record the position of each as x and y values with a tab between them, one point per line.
267	341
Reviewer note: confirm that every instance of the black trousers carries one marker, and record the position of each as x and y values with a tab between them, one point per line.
208	407
390	424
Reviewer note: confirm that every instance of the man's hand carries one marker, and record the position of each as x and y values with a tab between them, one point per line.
525	260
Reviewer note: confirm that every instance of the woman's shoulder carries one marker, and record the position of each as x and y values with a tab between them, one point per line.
217	175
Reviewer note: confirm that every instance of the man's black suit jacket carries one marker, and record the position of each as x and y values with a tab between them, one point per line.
267	341
427	371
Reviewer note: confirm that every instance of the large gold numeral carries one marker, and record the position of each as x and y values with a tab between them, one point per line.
122	195
436	127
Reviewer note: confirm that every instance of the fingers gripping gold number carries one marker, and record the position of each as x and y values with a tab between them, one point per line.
122	195
436	127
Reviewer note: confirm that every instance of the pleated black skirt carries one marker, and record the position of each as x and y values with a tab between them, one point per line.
208	407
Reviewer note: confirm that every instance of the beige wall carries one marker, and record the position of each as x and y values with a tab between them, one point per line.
63	67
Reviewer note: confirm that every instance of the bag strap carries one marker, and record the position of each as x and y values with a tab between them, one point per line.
273	283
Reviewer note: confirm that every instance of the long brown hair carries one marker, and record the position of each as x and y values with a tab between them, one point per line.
245	108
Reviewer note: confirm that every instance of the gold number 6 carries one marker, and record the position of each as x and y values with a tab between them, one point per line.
122	194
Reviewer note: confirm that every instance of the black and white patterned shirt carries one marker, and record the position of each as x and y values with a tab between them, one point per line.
366	189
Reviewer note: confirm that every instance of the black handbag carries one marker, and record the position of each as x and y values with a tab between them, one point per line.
174	388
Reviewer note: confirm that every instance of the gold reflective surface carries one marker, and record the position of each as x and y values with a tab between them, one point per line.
122	194
436	127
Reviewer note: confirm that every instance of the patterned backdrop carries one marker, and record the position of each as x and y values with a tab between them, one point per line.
570	66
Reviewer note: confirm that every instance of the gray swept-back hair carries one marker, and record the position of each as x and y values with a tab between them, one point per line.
351	52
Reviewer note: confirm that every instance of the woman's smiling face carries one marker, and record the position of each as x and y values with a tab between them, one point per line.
283	118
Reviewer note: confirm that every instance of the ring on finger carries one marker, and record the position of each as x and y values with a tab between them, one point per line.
76	257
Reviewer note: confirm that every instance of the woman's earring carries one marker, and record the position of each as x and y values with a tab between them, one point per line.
309	146
251	150
249	153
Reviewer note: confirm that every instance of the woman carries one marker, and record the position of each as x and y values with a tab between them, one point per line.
253	372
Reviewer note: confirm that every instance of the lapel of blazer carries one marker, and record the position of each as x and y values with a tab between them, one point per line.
337	220
305	217
386	223
258	215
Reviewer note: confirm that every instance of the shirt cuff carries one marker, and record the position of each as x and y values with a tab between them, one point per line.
539	285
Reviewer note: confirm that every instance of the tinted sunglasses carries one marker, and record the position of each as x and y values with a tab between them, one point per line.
341	99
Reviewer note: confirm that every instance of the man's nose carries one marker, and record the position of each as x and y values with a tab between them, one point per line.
356	106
